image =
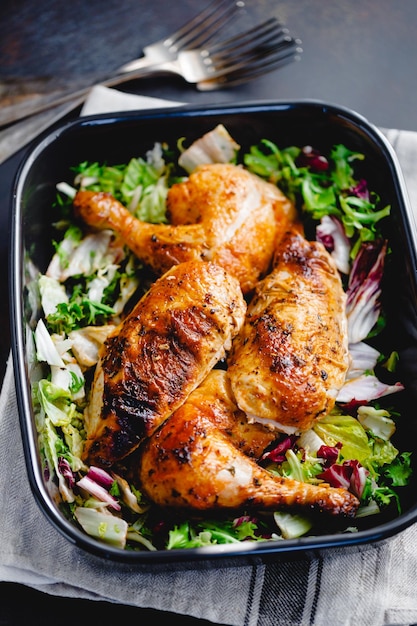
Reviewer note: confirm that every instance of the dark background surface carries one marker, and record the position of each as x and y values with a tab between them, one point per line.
358	54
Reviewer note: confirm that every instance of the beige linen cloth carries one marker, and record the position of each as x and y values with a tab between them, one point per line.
374	586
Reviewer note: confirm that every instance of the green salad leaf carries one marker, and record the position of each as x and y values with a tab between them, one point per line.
141	184
322	186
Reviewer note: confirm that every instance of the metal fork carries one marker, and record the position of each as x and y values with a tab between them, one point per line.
242	61
224	62
233	61
196	33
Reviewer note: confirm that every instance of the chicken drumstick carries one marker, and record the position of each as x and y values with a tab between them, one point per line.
221	213
199	460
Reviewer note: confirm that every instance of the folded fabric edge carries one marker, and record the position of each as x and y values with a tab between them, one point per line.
103	99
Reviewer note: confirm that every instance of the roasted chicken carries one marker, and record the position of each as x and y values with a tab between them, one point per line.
221	213
214	398
197	433
199	459
291	357
160	353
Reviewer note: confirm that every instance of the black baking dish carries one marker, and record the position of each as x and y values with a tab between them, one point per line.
116	138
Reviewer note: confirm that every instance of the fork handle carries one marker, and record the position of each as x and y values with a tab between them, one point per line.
75	98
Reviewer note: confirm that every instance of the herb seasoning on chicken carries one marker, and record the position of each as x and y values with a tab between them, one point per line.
221	213
291	357
167	345
200	459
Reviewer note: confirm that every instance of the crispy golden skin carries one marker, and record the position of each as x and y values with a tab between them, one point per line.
214	397
291	357
200	460
161	352
221	213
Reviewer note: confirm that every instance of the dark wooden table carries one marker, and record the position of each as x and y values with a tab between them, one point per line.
360	54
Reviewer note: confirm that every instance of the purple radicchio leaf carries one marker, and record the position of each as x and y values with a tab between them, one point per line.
331	234
100	476
98	492
361	385
349	475
277	454
363	304
360	190
329	454
312	158
364	389
363	358
65	470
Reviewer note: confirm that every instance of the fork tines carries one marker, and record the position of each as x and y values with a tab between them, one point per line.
269	31
267	42
262	49
201	29
272	61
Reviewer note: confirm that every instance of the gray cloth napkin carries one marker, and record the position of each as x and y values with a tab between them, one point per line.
373	586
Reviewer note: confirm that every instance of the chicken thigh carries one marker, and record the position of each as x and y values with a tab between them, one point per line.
291	357
221	213
162	351
214	398
199	460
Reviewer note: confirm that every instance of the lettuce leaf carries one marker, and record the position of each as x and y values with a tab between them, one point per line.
371	452
398	472
141	185
322	185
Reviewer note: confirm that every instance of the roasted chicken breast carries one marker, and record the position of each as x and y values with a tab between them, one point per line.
162	351
221	213
291	357
199	460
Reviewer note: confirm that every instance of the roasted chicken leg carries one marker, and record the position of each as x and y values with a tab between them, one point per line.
291	357
198	460
221	213
214	398
162	351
